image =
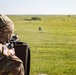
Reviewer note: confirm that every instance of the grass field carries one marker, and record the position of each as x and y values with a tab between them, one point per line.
53	49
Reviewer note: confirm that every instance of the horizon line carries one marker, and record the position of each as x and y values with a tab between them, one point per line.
40	14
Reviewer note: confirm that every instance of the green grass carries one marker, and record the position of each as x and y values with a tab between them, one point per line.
53	49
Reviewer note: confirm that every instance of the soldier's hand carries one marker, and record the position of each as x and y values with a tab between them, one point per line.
12	51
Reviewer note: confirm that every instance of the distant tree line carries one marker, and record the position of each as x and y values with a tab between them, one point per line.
36	18
33	18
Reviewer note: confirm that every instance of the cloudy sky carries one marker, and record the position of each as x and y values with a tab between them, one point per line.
38	7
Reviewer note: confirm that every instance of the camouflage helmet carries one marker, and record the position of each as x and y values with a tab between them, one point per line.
6	28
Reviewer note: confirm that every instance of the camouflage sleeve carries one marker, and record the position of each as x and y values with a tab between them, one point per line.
5	51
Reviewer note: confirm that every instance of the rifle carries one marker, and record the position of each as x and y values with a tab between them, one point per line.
14	40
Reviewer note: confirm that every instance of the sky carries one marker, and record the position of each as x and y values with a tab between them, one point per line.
41	7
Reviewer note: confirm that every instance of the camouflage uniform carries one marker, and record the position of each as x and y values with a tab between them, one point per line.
9	63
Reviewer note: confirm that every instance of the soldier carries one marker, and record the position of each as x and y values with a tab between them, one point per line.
9	62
